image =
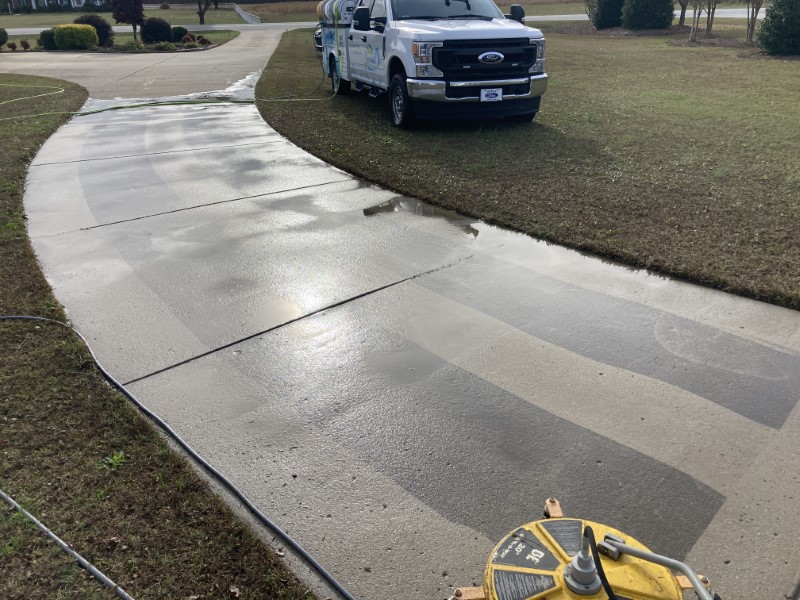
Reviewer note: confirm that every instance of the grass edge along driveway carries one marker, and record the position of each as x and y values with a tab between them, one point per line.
678	159
76	455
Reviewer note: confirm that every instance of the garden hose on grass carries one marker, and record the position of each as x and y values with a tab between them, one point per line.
219	477
97	573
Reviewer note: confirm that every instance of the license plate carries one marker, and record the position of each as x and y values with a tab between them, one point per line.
491	94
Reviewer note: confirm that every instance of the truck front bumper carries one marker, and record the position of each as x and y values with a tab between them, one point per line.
436	90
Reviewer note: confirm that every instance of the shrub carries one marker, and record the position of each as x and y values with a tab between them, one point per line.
191	45
47	39
131	46
203	41
156	30
604	13
26	45
164	6
780	29
189	38
105	34
75	37
647	14
3	37
178	33
164	47
12	46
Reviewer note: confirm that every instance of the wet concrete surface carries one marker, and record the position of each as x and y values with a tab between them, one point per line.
399	386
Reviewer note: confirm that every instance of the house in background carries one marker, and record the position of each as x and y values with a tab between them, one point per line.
24	5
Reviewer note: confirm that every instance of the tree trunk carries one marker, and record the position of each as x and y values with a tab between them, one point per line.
712	8
135	39
753	8
684	4
698	11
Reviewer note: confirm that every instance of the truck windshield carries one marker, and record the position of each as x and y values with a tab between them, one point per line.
445	9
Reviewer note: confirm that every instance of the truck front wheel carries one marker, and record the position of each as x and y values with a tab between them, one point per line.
339	86
400	106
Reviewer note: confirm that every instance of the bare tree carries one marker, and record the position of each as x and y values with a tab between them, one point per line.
698	7
202	7
753	7
711	8
684	5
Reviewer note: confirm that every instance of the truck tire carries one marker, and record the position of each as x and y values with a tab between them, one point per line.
401	108
339	86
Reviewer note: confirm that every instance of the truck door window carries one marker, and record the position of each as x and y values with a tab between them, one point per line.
378	9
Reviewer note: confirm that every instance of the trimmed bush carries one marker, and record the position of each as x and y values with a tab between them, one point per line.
156	30
3	37
178	33
25	44
164	47
780	29
647	14
75	37
164	6
105	34
203	41
604	13
12	46
189	38
47	39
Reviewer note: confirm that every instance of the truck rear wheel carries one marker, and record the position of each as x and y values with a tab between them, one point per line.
339	86
400	105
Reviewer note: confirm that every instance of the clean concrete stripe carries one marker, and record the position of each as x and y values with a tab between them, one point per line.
760	519
758	382
760	322
662	421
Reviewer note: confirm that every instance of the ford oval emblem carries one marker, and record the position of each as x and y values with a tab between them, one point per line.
491	58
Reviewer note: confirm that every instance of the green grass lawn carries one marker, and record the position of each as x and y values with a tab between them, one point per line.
676	158
77	455
175	15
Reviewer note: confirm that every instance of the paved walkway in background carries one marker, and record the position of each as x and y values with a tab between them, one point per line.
396	385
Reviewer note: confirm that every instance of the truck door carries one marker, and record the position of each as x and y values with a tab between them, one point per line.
375	51
367	48
357	49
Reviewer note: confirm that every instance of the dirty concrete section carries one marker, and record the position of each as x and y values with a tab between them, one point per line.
400	386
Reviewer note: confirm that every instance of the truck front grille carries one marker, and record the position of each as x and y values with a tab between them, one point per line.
459	58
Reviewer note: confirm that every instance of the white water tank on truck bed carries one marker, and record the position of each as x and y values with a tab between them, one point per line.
332	12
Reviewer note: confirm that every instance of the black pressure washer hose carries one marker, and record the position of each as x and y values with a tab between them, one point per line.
219	477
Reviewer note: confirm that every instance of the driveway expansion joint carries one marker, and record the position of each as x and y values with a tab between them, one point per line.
297	319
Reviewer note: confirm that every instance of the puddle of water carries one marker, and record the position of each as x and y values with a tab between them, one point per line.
423	209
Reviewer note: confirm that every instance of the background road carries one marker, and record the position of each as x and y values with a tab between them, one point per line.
396	385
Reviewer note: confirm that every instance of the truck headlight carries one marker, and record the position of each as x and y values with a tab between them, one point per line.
423	57
539	43
537	67
423	51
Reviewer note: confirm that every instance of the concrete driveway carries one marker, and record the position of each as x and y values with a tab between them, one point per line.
400	386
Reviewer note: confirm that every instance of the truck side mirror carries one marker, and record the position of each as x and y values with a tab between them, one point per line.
517	13
361	18
378	24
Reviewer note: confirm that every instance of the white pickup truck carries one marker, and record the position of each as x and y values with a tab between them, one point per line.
436	58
